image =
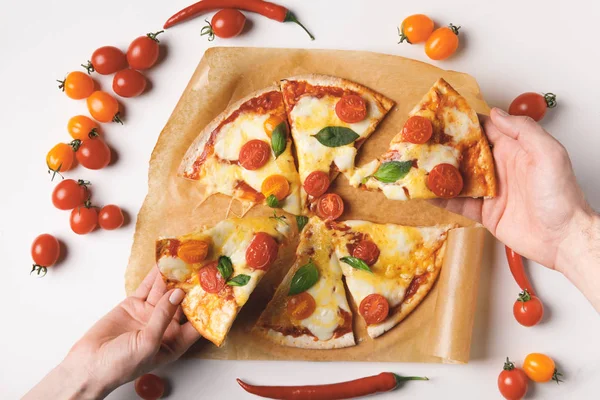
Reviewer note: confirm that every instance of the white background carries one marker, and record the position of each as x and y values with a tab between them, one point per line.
509	46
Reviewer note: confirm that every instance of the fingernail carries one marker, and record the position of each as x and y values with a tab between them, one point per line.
176	297
501	112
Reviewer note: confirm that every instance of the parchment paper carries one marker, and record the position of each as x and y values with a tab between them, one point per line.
439	330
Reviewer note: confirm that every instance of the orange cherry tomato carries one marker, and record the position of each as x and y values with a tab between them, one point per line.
84	219
150	387
193	251
528	309
301	306
417	130
143	51
533	105
107	60
103	107
93	153
316	183
445	181
330	206
276	185
80	127
351	108
540	368
60	158
110	217
271	123
442	43
367	251
512	382
211	279
129	83
254	154
262	251
374	308
226	23
415	29
77	85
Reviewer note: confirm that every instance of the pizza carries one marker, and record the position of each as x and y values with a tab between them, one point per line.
246	153
389	269
329	119
440	152
218	268
309	309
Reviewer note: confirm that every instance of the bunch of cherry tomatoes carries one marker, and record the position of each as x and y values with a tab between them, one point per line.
439	44
513	381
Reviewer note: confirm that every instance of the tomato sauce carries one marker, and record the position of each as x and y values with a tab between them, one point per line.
249	192
346	326
167	247
296	89
414	285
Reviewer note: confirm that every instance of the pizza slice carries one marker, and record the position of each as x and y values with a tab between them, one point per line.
389	269
246	153
218	268
440	152
309	309
329	118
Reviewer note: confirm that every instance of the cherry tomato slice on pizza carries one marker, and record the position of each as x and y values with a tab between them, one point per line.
351	108
254	154
271	123
445	181
192	251
330	206
301	306
317	183
374	308
211	279
367	251
262	251
276	185
417	130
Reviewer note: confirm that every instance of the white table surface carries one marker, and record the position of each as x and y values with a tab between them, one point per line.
510	47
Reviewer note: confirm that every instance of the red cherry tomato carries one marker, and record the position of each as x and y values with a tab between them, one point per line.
316	183
93	153
442	43
262	251
143	51
110	217
107	60
84	219
226	23
129	83
80	127
103	107
254	154
512	382
374	308
70	193
445	180
367	251
301	306
77	85
150	387
417	130
528	309
211	279
330	206
533	105
45	250
351	108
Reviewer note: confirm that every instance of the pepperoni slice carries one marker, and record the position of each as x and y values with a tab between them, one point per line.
351	108
330	206
192	251
211	279
254	154
301	306
316	183
367	251
374	308
271	123
262	251
276	185
417	130
445	181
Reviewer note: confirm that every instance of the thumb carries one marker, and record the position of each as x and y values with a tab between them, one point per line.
163	315
523	129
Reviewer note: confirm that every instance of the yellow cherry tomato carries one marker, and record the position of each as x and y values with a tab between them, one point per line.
442	43
271	123
415	29
60	158
81	126
77	85
540	368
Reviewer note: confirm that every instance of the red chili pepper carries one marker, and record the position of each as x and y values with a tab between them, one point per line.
515	263
269	10
383	382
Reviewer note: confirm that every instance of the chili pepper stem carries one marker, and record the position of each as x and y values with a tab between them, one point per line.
290	17
400	378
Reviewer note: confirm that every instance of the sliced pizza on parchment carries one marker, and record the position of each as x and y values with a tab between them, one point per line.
440	152
218	268
329	118
246	153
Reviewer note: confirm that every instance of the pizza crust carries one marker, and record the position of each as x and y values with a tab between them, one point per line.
307	341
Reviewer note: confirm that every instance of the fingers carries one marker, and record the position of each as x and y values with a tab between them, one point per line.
468	207
523	129
162	315
146	285
492	133
159	287
189	336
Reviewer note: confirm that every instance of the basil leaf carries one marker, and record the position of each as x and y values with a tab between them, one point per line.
225	267
391	171
279	139
239	280
301	221
306	276
336	136
272	201
356	263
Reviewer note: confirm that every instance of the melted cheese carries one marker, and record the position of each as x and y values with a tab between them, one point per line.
232	136
174	269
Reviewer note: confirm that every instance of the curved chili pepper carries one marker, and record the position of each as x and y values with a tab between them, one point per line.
383	382
515	263
265	8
